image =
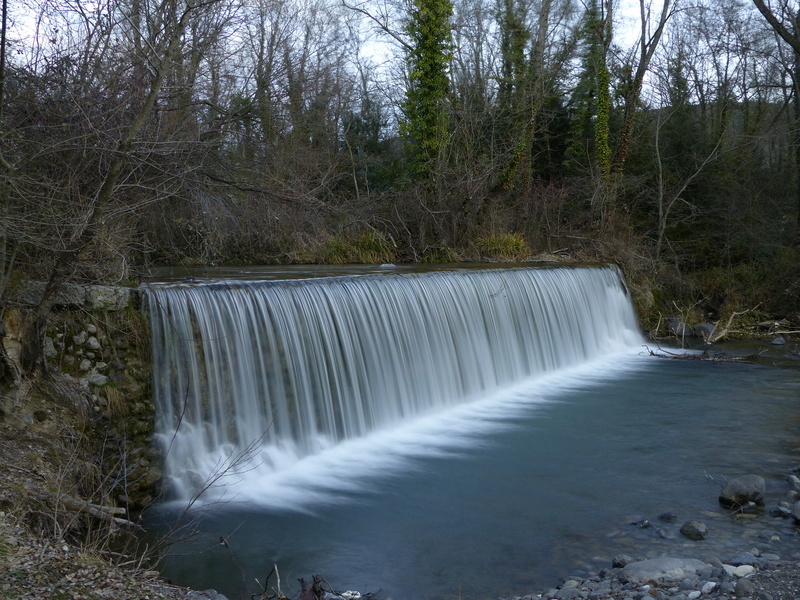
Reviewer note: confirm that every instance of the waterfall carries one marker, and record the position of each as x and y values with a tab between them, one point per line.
299	366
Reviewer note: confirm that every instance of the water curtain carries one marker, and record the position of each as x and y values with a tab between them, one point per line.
298	366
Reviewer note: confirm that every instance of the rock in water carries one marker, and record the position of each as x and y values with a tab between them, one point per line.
744	489
694	530
621	560
678	328
668	517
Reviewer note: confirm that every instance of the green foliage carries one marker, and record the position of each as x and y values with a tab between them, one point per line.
369	248
503	246
425	121
601	127
590	103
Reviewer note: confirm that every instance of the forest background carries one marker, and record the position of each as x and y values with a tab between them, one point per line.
143	132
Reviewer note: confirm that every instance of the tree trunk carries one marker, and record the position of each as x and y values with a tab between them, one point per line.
796	144
647	48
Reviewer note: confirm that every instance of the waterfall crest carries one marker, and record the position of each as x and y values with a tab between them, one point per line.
302	365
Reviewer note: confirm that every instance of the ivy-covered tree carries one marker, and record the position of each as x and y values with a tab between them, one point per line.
591	99
513	101
514	38
425	124
602	30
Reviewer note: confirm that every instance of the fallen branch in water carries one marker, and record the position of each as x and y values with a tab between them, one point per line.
706	355
265	595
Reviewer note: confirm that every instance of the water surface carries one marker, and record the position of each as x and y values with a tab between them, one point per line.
504	496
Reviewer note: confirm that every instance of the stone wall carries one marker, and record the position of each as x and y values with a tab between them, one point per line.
96	380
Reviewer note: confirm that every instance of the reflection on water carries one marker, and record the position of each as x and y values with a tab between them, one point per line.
526	488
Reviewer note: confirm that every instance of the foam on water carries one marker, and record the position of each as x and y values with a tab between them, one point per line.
357	467
324	385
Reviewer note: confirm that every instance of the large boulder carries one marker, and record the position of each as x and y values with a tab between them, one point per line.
743	490
662	570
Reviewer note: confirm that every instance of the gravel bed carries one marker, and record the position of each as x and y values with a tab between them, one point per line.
764	577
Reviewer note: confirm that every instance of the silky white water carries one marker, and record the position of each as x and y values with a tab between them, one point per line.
306	377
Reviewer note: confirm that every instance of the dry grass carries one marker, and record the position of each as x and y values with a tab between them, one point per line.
503	246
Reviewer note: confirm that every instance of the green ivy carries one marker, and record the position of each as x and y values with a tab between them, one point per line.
602	148
425	123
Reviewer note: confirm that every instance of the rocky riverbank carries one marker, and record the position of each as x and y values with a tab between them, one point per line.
761	576
767	566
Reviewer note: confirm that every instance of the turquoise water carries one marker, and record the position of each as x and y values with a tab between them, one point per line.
503	496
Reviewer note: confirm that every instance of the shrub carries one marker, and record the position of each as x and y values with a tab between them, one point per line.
503	246
439	254
369	248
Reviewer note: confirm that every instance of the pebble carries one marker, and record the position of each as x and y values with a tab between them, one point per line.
743	588
744	570
709	587
756	572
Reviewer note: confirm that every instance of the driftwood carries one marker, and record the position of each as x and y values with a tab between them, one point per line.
716	335
265	593
318	590
322	590
706	356
104	513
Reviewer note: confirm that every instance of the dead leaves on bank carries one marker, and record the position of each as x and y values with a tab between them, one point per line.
32	568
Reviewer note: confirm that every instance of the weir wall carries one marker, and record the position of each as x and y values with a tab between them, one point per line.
95	383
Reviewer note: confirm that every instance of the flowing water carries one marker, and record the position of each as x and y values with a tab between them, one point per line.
443	435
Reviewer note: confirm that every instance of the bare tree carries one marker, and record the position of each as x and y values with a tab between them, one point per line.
785	21
90	80
649	38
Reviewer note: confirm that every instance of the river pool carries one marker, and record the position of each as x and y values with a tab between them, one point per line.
504	496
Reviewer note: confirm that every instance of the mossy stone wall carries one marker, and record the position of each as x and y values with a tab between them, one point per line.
95	380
